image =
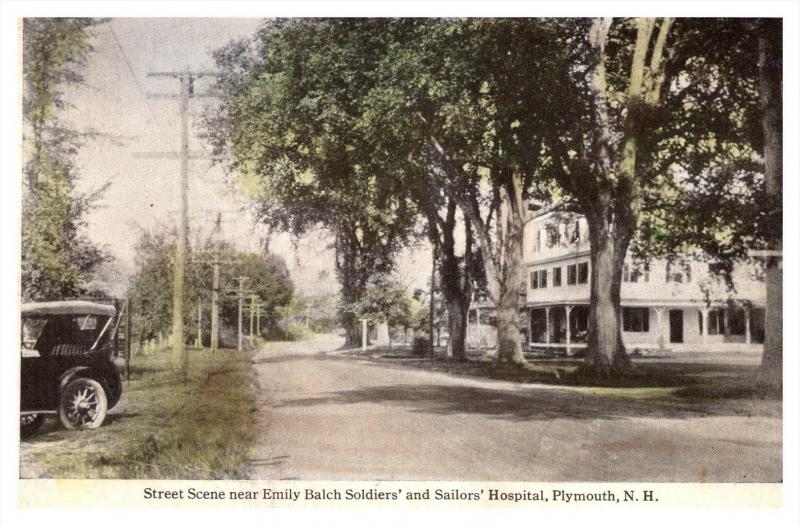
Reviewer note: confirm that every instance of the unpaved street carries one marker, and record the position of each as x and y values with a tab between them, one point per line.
338	417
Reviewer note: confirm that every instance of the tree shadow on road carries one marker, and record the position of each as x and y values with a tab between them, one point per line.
539	404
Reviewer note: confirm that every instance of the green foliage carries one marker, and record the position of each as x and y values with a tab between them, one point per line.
289	121
57	257
385	300
151	287
706	151
698	183
337	119
54	49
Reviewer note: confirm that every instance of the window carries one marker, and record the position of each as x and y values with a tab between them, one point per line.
716	321
636	319
572	272
553	235
583	273
87	322
737	322
576	233
677	276
632	275
557	276
539	240
539	279
31	330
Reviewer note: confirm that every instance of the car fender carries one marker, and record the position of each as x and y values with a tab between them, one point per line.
67	376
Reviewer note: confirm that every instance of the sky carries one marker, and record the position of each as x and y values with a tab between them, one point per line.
143	193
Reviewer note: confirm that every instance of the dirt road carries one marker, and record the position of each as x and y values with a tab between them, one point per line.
337	417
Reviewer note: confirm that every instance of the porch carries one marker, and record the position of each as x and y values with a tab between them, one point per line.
654	329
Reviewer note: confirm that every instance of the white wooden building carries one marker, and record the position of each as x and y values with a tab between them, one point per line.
680	305
676	306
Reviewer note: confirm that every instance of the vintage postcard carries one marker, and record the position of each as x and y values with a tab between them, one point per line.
357	260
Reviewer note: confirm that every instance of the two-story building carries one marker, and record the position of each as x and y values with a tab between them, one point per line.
680	306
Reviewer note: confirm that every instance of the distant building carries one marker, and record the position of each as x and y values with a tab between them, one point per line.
680	306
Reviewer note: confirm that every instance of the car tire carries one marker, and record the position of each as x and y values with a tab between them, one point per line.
29	424
82	404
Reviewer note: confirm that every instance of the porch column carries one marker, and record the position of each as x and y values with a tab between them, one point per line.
704	325
364	336
477	331
727	323
747	336
547	325
660	326
568	309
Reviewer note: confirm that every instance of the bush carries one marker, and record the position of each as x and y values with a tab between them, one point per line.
421	346
293	332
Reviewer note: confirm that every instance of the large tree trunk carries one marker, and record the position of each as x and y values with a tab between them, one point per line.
457	327
610	195
606	351
353	268
771	92
501	250
508	281
455	276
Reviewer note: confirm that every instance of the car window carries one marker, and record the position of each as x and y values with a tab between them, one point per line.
86	322
31	330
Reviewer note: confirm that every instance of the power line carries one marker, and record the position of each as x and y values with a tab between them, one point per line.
133	76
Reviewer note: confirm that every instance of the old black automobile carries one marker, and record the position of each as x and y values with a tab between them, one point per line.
67	364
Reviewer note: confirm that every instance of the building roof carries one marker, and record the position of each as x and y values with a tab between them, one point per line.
68	308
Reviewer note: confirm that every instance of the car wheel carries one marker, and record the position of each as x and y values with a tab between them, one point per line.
83	404
29	424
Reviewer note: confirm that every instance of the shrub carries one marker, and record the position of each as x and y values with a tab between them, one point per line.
421	346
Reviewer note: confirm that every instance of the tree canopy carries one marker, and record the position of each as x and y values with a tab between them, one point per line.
151	288
289	124
648	127
57	256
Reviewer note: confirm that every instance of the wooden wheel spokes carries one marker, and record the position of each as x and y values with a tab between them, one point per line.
82	405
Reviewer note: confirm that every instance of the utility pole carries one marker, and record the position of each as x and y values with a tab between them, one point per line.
215	307
258	320
240	291
216	262
187	79
252	313
200	322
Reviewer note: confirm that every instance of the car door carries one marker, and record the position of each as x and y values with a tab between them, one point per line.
33	368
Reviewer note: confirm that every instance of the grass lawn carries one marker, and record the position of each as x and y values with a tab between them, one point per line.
667	384
164	427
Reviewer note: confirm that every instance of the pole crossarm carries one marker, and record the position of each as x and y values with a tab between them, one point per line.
215	260
183	74
157	96
174	155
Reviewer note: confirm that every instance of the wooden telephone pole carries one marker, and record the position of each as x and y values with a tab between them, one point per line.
241	294
254	310
216	262
187	80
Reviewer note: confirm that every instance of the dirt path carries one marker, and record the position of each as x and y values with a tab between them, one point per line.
328	416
